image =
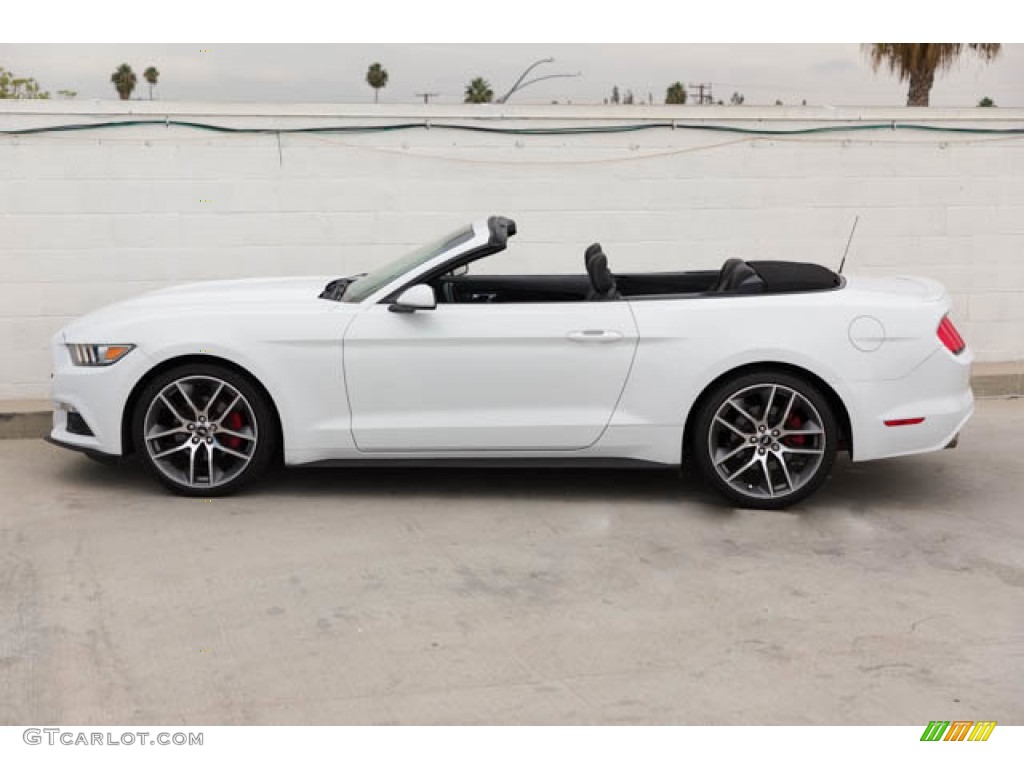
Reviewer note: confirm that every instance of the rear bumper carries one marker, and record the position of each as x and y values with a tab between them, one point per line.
938	391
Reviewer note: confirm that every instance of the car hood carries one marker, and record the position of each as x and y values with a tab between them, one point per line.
257	289
213	297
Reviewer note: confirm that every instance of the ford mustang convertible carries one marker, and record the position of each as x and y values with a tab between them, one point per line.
755	374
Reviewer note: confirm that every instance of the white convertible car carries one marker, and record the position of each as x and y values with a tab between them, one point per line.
757	373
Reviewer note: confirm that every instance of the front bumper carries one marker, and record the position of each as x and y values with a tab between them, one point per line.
105	458
98	395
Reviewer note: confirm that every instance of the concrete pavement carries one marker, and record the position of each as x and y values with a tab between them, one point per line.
510	596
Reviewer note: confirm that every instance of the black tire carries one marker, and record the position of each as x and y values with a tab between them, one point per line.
195	377
779	453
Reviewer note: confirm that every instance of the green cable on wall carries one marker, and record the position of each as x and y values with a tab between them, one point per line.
582	130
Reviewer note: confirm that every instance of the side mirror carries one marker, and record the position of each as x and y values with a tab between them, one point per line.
415	297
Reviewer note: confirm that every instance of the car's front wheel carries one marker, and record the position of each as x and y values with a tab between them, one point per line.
204	430
765	439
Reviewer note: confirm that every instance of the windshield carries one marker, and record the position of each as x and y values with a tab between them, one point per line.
378	278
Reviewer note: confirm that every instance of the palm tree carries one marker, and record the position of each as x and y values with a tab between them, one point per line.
151	74
124	81
479	92
377	78
676	94
919	62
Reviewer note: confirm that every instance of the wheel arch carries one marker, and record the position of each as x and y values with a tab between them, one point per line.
834	400
127	442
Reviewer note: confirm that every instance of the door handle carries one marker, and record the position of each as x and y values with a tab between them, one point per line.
596	335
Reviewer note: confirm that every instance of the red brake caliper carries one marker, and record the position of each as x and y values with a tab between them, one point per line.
233	421
794	422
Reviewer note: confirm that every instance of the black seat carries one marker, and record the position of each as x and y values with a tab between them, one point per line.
737	277
724	274
602	281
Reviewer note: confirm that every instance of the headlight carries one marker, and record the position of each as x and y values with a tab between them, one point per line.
98	354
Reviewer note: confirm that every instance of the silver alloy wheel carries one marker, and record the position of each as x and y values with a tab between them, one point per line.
766	441
200	431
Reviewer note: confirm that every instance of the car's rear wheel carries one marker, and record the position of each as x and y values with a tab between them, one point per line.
204	430
765	439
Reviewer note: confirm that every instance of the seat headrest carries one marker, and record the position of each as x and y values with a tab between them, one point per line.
745	280
725	274
737	276
600	276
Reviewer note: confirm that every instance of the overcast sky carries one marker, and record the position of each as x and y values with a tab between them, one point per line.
820	73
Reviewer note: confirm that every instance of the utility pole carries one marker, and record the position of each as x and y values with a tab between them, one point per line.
704	95
427	96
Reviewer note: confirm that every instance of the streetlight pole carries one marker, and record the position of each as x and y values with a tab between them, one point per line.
519	84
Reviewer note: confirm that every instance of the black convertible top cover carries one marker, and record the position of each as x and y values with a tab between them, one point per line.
787	276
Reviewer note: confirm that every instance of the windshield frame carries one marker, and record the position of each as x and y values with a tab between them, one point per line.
379	280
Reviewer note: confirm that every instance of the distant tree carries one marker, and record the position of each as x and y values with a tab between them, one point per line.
986	102
675	93
615	94
737	98
376	78
12	87
124	81
151	74
66	94
803	103
778	102
478	92
628	98
918	63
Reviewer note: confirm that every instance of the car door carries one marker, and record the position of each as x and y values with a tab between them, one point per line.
487	376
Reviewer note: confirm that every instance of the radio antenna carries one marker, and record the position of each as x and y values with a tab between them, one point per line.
850	240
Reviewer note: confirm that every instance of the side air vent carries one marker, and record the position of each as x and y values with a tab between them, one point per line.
77	425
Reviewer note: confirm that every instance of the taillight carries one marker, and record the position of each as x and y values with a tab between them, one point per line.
949	337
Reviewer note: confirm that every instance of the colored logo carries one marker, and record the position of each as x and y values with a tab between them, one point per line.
958	730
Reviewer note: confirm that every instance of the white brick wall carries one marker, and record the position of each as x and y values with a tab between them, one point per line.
87	218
